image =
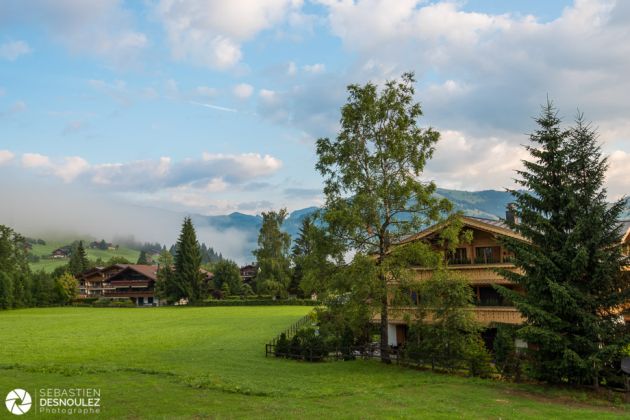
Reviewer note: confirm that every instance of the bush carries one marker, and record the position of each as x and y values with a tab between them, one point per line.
507	357
478	358
258	302
282	346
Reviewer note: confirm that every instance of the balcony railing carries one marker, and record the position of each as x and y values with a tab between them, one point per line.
484	314
480	260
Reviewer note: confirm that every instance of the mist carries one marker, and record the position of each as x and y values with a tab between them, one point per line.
49	211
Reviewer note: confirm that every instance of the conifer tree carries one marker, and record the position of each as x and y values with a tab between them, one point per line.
188	278
272	255
78	260
142	259
571	264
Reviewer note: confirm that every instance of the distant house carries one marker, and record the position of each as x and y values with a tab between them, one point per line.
248	273
133	282
94	282
61	253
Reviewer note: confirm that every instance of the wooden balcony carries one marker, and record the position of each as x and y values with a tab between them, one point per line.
475	273
134	293
485	315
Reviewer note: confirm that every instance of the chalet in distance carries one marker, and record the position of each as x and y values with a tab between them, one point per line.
248	273
477	262
121	281
135	282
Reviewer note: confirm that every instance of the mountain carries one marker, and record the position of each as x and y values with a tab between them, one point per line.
489	203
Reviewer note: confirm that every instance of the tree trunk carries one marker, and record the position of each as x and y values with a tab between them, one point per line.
384	323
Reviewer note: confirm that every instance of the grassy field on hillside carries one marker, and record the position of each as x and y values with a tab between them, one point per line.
48	265
209	362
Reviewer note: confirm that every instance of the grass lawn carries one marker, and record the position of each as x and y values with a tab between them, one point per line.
49	264
209	362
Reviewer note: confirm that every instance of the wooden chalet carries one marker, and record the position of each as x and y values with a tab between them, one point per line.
477	262
135	282
248	273
93	282
60	253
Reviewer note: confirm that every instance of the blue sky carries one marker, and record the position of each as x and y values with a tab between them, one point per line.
211	107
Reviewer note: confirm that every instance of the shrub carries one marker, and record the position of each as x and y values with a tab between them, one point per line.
507	357
478	358
282	346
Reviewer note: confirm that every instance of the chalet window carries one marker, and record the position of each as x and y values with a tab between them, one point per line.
459	256
487	254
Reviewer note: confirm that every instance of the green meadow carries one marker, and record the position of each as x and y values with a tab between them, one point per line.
49	264
209	363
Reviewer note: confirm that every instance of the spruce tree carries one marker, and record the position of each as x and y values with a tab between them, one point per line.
571	262
78	260
272	255
188	278
142	259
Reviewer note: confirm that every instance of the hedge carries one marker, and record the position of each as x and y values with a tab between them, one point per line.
259	302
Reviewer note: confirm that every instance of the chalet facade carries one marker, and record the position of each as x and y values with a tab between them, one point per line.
60	253
477	262
248	273
135	282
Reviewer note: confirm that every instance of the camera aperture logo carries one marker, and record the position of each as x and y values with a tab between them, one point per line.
18	401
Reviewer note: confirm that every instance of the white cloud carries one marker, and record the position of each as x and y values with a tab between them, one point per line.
102	28
35	160
67	170
211	32
315	68
268	96
291	69
212	173
617	179
475	163
13	49
243	90
6	156
206	91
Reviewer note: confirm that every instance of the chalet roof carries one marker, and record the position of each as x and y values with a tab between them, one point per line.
149	271
496	227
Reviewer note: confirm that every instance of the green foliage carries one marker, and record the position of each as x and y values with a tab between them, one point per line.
571	264
444	330
165	287
282	346
227	277
272	255
371	170
306	344
78	260
478	358
142	259
246	290
508	360
15	275
188	279
67	288
316	255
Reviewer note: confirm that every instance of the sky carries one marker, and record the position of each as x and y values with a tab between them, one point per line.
211	107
